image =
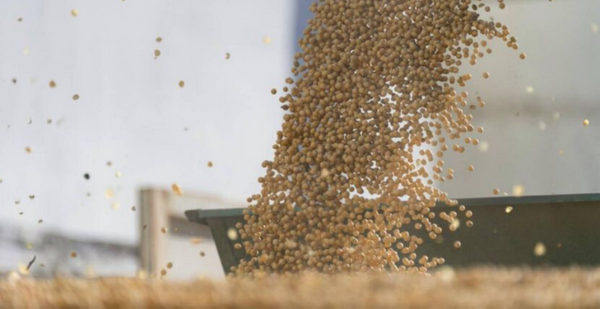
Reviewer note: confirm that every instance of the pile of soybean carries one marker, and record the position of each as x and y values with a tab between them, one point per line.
374	104
467	288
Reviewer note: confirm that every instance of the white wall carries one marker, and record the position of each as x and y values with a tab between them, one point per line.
562	66
131	111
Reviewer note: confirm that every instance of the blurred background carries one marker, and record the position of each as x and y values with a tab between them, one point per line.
105	104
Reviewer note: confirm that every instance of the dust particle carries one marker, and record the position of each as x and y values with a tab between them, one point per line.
518	190
176	189
539	249
232	234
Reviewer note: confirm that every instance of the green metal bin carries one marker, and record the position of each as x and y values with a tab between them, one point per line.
567	225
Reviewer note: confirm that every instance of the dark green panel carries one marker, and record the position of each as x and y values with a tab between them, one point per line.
223	243
566	224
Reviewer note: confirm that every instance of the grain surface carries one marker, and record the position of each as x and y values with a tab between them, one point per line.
471	288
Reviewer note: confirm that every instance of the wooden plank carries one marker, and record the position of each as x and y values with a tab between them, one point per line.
153	215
